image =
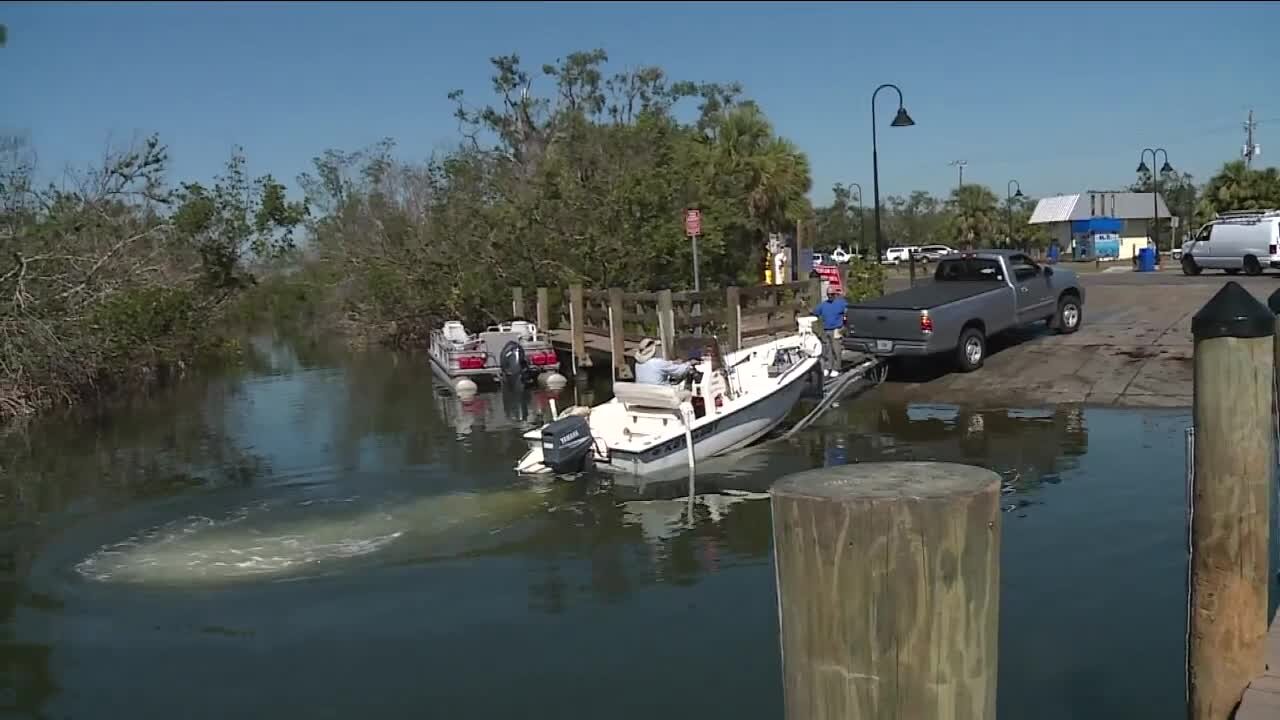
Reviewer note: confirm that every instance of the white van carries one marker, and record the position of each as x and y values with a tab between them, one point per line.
1247	240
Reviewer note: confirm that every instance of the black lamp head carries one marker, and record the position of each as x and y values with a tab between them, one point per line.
1018	193
902	119
1166	168
1142	166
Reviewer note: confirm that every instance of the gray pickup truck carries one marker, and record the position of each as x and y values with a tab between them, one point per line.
973	296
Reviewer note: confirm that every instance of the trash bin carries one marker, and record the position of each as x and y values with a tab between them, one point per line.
1146	260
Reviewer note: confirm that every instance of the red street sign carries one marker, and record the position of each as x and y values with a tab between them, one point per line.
693	222
831	273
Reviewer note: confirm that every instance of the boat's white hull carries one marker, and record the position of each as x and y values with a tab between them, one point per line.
712	436
724	434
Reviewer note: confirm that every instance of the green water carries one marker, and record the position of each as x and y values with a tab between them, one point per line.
323	535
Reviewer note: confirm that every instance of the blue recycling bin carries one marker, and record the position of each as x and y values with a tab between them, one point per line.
1146	259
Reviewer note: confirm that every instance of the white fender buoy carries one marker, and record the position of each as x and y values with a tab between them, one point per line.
465	387
553	380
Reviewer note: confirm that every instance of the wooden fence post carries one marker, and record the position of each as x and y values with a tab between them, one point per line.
888	590
666	324
577	325
1234	459
517	302
543	311
815	292
733	318
617	335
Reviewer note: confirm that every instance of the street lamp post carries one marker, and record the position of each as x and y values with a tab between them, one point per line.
1155	190
902	119
862	223
1010	195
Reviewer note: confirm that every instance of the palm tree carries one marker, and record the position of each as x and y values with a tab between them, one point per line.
975	216
1236	187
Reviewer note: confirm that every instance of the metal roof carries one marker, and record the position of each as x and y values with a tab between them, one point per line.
1097	203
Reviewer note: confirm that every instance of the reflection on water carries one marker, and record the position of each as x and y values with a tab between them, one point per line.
150	546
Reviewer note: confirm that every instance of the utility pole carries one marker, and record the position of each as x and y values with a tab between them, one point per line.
1250	148
959	164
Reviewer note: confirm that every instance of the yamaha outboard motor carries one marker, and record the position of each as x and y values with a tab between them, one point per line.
512	362
566	444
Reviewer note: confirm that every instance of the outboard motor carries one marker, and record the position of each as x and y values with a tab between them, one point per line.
566	444
512	362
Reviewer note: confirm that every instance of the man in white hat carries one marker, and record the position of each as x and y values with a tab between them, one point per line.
654	370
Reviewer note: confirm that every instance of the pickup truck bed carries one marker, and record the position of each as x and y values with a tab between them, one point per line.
931	294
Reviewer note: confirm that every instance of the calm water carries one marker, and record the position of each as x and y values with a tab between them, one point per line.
323	535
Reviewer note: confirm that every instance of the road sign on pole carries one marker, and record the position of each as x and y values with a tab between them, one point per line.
693	228
693	222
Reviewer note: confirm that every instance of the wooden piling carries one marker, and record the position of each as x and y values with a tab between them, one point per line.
617	335
888	591
517	302
577	326
666	324
815	292
543	310
733	318
1230	500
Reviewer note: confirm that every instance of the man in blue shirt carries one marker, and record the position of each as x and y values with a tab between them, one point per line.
832	311
654	370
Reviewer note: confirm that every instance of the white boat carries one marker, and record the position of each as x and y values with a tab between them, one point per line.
516	352
456	354
729	402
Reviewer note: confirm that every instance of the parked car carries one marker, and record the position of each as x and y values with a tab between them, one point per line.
931	253
1247	240
841	256
974	296
819	259
895	255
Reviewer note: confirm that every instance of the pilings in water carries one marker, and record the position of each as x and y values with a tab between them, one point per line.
577	328
888	581
543	310
617	336
1234	460
517	302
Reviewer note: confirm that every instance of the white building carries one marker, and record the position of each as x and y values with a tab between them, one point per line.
1071	218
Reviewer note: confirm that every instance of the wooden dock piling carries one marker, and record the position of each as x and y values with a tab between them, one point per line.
733	318
888	581
543	311
517	302
1233	467
577	327
617	335
666	324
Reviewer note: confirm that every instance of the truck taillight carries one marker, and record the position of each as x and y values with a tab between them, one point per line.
1273	249
926	323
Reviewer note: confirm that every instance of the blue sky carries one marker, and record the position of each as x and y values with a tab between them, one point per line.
1061	97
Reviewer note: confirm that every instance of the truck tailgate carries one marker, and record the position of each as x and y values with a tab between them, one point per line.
883	323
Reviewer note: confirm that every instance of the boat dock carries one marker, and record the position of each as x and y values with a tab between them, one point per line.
1262	699
604	326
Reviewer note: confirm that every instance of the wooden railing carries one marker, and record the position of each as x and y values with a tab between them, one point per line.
732	314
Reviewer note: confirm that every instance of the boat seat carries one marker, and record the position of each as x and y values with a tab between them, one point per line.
644	395
454	332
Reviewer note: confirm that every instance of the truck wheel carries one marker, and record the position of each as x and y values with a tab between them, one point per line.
1069	315
1189	266
1251	265
971	350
